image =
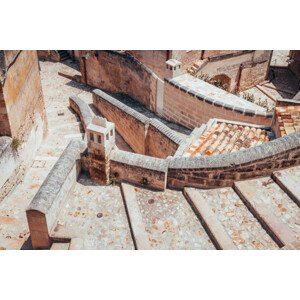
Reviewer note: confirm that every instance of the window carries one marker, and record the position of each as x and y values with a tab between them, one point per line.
92	137
107	137
99	139
111	132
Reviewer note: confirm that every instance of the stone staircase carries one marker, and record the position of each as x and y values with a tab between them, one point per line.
197	66
257	214
253	214
64	55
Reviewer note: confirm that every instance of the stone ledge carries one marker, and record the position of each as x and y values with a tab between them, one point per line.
44	208
82	109
121	106
139	160
165	130
51	186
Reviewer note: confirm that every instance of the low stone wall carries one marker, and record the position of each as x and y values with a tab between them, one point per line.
131	125
144	135
161	141
44	208
223	170
82	109
138	169
8	162
191	110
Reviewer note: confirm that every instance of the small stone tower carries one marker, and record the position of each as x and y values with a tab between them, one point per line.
101	140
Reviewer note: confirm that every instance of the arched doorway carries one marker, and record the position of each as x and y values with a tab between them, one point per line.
221	81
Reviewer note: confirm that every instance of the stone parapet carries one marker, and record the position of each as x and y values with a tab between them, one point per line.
44	207
82	109
223	170
138	169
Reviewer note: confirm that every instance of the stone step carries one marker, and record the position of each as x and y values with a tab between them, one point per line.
289	181
275	210
135	217
163	220
60	246
227	220
93	215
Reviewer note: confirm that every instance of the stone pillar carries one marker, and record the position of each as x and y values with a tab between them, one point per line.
173	68
101	140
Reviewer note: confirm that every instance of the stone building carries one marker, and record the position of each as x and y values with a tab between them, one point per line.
235	70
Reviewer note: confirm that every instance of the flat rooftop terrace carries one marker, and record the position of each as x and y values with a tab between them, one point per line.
206	91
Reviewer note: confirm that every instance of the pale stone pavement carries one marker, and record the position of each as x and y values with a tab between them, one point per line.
13	223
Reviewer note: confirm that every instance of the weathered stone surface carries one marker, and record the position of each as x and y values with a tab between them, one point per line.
229	220
275	210
166	221
95	216
289	181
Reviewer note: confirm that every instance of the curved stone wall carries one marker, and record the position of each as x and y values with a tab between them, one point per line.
191	109
118	72
223	170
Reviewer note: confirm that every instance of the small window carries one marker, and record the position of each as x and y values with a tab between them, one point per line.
112	132
107	137
99	139
92	137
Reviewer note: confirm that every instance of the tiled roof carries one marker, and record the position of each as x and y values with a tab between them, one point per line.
223	137
288	118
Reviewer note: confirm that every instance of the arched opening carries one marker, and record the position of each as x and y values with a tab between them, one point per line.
221	81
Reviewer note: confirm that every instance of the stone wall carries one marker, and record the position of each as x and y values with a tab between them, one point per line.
161	141
45	206
223	170
121	73
138	169
82	109
131	125
190	110
245	68
144	135
187	58
155	60
22	94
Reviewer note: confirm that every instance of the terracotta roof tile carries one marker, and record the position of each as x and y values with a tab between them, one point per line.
224	137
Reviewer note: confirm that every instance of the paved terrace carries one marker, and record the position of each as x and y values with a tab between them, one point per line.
209	91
